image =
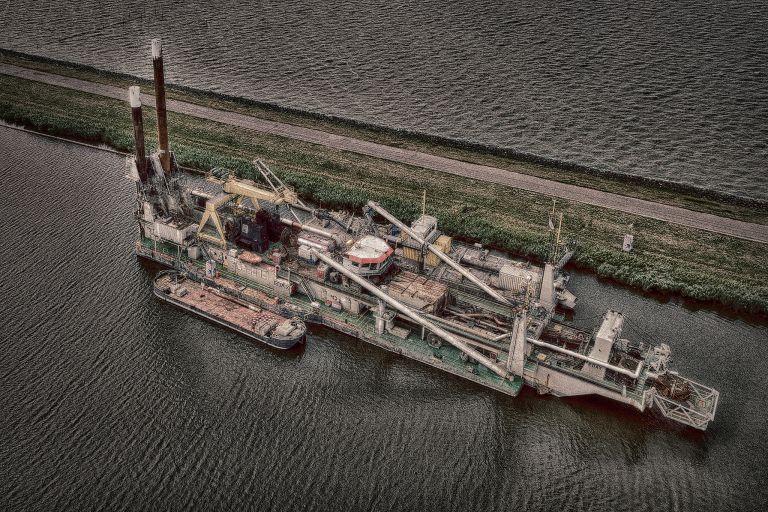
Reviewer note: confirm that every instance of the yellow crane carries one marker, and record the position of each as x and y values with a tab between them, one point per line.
237	191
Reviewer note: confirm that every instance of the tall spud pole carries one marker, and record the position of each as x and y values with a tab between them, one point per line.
134	97
162	119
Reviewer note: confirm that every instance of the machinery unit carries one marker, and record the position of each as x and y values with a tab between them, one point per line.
369	256
253	235
262	262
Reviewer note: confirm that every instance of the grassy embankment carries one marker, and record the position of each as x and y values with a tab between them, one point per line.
667	258
677	195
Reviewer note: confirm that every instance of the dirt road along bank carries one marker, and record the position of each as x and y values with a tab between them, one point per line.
640	207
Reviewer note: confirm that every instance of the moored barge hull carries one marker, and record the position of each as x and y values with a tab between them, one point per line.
274	341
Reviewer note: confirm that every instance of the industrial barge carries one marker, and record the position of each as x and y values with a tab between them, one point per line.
407	288
222	308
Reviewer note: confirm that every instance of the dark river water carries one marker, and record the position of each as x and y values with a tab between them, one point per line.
111	399
671	90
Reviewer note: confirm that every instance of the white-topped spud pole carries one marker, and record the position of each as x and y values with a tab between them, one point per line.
162	119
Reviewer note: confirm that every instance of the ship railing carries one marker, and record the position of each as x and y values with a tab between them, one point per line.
696	412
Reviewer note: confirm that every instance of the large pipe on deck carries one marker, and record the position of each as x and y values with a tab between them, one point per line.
405	310
588	359
311	229
162	117
338	240
440	254
134	97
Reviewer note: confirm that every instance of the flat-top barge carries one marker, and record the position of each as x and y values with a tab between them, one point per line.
249	252
225	309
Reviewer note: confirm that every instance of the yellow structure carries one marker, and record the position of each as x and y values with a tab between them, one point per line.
237	191
443	243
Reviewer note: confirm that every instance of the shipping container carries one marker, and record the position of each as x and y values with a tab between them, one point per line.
412	254
305	253
443	243
173	233
424	226
514	278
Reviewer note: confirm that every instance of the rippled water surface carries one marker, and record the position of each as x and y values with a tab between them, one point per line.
667	90
112	399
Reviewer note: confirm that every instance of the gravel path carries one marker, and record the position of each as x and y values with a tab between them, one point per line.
672	214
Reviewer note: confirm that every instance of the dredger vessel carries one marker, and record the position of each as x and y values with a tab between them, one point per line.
407	288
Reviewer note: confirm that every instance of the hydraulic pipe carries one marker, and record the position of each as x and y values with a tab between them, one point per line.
405	310
310	243
134	97
298	225
588	359
162	117
504	335
440	254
